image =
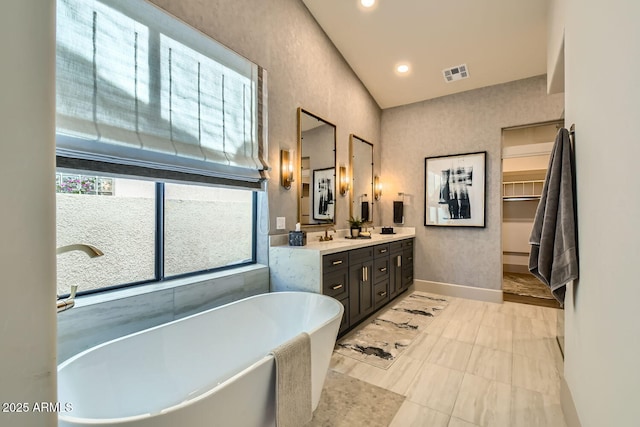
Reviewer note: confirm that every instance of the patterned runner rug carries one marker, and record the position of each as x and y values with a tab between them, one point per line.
380	342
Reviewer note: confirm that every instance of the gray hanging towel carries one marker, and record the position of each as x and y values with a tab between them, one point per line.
364	211
398	212
554	252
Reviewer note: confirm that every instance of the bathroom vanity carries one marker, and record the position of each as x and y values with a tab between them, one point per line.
363	274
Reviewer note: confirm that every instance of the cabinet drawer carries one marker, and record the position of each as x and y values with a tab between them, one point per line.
360	255
336	284
334	262
407	261
381	292
401	245
380	251
395	246
407	267
380	269
407	278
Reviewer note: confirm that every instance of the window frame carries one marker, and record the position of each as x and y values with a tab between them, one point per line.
159	276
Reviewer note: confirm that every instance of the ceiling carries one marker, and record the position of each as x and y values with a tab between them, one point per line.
498	40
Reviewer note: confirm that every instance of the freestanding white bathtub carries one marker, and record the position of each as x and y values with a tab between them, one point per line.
209	369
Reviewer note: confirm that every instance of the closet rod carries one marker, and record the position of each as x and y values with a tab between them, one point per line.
530	125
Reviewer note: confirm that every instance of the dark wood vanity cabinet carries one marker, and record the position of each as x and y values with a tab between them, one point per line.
401	266
366	279
335	283
395	269
361	302
407	264
382	270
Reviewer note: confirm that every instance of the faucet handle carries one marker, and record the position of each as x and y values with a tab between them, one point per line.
66	304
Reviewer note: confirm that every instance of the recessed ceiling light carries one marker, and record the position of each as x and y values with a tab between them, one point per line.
402	68
367	3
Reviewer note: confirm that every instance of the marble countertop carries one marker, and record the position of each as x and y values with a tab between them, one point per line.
341	243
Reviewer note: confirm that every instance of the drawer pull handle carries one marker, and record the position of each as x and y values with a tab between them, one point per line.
382	294
399	261
410	258
336	287
383	251
383	269
338	262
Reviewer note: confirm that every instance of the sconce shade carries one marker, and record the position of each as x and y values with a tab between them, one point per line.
377	188
286	169
344	181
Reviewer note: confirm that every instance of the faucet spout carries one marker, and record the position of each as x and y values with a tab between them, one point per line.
90	250
327	237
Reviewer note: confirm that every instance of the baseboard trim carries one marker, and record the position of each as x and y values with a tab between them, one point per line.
568	407
460	291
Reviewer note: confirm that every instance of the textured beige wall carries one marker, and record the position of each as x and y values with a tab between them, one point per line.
304	70
462	123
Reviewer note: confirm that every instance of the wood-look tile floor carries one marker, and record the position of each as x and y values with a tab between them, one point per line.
476	364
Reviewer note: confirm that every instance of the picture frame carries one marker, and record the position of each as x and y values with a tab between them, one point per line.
455	190
323	192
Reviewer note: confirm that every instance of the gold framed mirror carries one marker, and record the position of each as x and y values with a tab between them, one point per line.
361	172
317	170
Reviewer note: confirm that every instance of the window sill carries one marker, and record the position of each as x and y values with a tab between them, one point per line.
117	294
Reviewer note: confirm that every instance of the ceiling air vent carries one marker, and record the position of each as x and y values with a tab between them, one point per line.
456	73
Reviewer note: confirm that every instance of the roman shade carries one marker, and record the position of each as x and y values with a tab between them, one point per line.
140	93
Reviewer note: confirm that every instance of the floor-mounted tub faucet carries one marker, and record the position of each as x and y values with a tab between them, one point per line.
92	251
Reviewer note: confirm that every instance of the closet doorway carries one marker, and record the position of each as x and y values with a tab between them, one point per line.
525	158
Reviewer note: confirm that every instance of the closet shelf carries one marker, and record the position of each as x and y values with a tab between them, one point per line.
520	199
522	190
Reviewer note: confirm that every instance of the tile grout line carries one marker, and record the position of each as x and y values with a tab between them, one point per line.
424	361
464	373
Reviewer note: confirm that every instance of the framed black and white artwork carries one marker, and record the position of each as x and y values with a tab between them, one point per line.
455	190
323	194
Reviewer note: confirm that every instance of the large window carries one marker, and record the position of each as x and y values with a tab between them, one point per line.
141	94
149	231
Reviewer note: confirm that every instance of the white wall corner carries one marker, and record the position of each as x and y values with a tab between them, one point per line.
555	73
555	46
27	217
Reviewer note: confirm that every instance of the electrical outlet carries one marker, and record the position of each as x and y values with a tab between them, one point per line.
280	223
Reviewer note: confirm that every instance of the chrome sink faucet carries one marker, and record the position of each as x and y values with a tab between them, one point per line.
92	251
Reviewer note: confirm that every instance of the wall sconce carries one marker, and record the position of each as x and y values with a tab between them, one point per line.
377	188
344	181
286	168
